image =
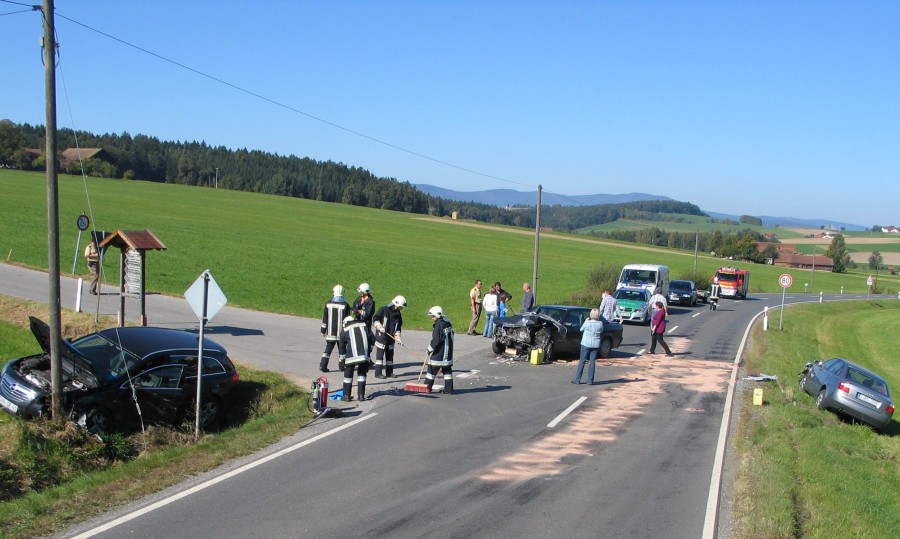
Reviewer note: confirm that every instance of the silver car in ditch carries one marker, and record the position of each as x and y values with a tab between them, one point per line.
849	389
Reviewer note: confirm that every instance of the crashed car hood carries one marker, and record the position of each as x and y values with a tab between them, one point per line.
73	364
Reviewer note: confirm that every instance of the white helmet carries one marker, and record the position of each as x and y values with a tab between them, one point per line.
348	320
363	288
338	290
399	302
436	311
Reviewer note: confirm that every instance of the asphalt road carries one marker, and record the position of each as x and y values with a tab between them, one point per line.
517	451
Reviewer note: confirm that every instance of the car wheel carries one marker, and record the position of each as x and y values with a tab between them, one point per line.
605	348
210	412
820	400
497	347
94	420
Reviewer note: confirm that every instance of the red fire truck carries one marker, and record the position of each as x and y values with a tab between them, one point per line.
735	282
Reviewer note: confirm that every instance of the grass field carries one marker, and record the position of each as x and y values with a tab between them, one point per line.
804	472
284	255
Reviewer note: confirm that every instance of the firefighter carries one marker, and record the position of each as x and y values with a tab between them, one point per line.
355	338
714	291
335	311
440	350
364	308
386	326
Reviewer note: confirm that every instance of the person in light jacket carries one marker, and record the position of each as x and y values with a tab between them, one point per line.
591	336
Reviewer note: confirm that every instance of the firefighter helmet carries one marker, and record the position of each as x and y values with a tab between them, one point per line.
399	302
363	288
436	312
338	290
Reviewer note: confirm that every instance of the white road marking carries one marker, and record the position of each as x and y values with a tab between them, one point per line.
673	329
695	315
193	490
567	411
468	374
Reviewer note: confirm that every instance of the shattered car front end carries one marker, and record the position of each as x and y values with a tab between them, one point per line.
525	332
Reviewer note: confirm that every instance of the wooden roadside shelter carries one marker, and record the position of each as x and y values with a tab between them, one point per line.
133	244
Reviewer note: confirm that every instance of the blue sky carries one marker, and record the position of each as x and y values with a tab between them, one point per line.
760	108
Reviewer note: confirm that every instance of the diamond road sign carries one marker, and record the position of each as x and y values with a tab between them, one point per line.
215	298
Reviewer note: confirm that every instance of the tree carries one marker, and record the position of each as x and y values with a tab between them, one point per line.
837	252
876	261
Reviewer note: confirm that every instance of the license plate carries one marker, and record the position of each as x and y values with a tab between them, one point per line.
9	405
868	399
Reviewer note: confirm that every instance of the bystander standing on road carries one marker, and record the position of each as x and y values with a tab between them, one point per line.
608	306
491	305
386	326
658	330
591	335
655	299
440	350
336	310
527	298
93	261
475	306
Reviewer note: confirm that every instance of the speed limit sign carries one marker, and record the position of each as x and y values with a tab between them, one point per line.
785	280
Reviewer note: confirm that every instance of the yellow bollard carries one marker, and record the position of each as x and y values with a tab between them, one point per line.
757	396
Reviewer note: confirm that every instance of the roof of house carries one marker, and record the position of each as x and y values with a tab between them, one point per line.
74	154
134	239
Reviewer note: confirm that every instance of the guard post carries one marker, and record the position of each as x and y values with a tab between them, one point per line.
133	244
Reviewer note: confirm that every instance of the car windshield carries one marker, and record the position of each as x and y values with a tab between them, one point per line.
633	295
552	312
865	380
638	276
106	357
680	285
729	277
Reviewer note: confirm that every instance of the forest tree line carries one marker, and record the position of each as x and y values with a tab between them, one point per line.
146	158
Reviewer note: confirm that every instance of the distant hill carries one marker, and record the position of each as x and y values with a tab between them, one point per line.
511	197
791	222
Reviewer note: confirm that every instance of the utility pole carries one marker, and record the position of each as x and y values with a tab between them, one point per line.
537	245
49	45
217	177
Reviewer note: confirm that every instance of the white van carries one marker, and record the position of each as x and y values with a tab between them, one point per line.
653	277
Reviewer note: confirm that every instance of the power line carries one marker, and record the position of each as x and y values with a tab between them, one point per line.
290	108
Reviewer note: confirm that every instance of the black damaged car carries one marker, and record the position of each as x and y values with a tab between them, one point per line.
120	377
554	328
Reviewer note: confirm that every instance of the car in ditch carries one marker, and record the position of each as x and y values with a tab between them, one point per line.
121	377
682	292
555	329
849	389
632	305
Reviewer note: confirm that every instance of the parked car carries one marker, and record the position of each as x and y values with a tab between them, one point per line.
632	305
849	389
682	292
104	372
554	328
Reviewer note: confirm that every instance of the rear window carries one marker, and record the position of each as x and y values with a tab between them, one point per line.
865	380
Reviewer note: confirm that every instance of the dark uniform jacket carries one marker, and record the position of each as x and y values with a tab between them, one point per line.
355	338
390	321
332	319
441	343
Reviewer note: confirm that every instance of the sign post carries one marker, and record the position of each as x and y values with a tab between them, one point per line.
869	283
206	299
785	280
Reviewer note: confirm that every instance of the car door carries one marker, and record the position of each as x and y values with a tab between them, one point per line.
161	393
573	321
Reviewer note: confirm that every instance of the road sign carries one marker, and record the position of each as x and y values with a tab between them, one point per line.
869	281
785	280
82	222
215	298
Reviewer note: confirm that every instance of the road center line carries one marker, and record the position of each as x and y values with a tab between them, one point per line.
695	315
567	411
673	329
468	374
197	488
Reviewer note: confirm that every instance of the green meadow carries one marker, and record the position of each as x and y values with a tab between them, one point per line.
282	254
805	472
688	223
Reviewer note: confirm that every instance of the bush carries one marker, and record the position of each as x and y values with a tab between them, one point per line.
599	279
